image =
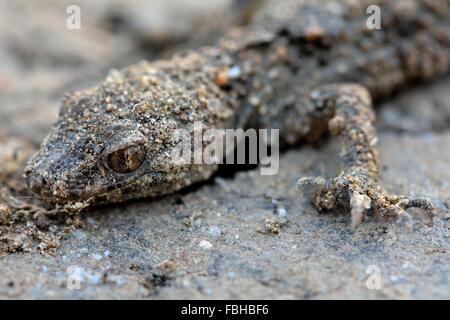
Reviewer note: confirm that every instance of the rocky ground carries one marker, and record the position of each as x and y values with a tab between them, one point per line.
238	236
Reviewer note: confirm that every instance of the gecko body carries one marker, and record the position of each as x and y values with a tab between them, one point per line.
113	142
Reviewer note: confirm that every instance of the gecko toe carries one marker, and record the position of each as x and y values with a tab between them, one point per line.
358	197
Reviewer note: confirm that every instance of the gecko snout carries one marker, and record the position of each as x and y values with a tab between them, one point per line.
35	180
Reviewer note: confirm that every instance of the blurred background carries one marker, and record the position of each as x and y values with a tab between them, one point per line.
41	59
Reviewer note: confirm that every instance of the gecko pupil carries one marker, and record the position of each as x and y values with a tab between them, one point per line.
127	159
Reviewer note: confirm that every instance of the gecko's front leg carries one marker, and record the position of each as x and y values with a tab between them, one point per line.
349	112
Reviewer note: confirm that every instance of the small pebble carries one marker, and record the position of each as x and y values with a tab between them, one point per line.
282	212
93	278
222	78
205	244
214	231
396	279
84	250
80	235
314	33
97	256
234	72
166	266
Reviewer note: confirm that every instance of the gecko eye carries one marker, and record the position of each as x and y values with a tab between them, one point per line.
126	159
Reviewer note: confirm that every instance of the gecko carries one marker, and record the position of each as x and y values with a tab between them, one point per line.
307	68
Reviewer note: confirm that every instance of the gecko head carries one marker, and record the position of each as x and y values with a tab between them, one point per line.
94	155
85	164
115	142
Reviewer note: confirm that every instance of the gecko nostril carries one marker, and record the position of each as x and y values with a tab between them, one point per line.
36	181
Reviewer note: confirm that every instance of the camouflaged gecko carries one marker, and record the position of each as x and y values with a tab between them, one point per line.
304	67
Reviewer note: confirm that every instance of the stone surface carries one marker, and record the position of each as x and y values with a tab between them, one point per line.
216	240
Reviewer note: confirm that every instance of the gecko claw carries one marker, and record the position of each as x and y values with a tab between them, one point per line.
357	196
359	204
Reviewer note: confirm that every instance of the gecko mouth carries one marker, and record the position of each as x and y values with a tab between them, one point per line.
58	192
